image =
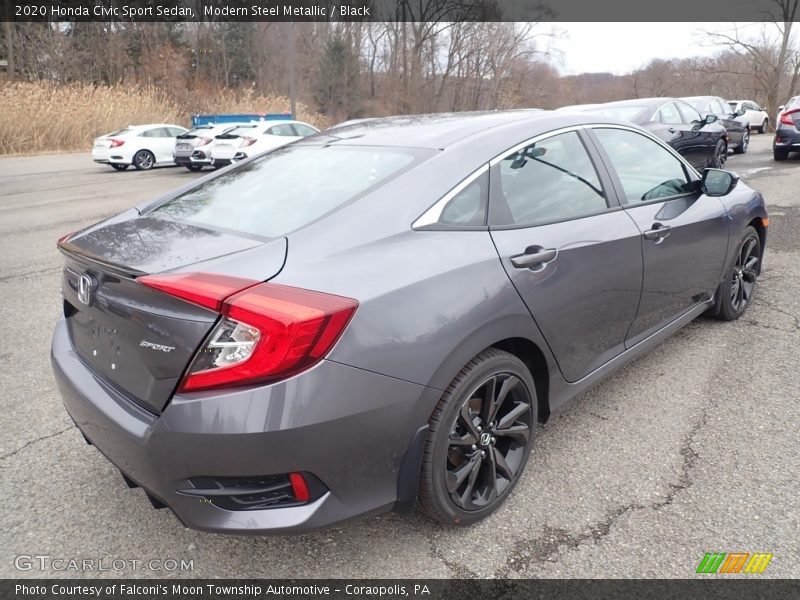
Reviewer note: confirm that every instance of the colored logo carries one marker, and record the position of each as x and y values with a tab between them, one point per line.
735	562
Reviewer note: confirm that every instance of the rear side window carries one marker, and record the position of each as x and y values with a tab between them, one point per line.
551	180
646	170
282	130
468	207
289	188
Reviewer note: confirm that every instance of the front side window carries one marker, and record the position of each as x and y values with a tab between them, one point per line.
690	115
646	170
304	130
669	115
551	180
288	188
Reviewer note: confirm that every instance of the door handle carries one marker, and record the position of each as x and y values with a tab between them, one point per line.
534	256
672	130
657	233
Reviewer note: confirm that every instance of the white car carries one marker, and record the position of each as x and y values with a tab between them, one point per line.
255	138
753	114
193	148
143	146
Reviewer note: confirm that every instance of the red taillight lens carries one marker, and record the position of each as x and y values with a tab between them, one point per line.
203	141
115	143
268	331
247	141
786	118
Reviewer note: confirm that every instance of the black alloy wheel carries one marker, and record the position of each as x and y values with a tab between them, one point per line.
480	438
743	145
720	155
735	292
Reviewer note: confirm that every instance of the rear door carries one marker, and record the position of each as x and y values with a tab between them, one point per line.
684	233
572	254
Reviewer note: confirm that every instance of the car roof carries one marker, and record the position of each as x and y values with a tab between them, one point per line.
483	131
701	98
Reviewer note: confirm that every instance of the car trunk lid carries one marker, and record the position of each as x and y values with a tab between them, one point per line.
133	337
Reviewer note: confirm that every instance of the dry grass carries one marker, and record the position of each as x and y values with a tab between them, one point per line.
44	117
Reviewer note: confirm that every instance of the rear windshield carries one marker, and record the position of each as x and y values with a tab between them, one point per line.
289	188
120	132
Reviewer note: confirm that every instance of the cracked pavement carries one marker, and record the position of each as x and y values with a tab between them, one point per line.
693	448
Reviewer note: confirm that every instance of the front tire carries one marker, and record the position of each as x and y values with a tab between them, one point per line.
737	289
480	437
144	160
720	155
763	127
743	145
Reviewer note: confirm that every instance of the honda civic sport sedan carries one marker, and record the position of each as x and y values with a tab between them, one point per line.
381	315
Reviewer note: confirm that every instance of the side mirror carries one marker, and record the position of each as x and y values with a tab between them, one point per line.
710	119
716	182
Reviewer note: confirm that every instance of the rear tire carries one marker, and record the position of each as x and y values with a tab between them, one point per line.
119	167
194	168
780	155
738	287
763	127
481	434
144	160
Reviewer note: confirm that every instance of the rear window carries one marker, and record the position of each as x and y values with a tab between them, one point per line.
120	131
626	113
289	188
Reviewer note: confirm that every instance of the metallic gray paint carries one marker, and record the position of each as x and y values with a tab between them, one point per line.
429	301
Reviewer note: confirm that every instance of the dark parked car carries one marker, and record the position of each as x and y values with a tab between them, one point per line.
699	139
732	120
787	130
354	321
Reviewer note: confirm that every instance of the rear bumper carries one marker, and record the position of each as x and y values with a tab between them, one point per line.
787	138
349	427
191	160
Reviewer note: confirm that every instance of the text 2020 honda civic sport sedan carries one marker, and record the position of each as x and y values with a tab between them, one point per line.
360	320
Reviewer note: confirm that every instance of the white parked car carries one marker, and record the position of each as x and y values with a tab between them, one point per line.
255	138
143	146
193	149
753	114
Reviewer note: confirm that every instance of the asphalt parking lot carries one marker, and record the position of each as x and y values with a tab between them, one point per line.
693	448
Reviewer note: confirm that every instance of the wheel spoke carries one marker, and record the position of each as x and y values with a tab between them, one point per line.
520	409
491	476
501	465
465	440
466	420
457	476
746	251
521	431
735	289
488	406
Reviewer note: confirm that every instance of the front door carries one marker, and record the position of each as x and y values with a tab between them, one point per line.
574	257
684	233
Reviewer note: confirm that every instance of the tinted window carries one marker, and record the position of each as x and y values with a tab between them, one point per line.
551	180
690	114
718	108
304	130
151	133
669	114
288	188
646	170
284	130
175	131
468	207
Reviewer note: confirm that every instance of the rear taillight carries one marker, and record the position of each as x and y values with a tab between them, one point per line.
203	141
267	331
247	141
115	143
786	118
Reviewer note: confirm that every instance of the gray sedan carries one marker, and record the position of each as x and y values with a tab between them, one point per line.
382	314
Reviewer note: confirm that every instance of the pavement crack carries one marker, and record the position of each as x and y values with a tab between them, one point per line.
458	570
548	546
35	441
